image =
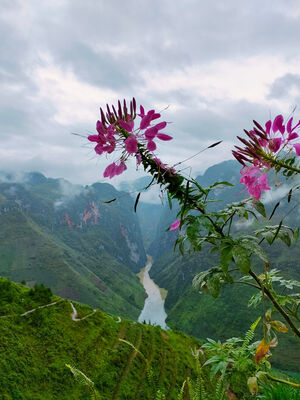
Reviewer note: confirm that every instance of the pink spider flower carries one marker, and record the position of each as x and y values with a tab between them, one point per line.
255	180
275	137
116	131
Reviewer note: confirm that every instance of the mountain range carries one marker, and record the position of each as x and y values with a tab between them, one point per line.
87	244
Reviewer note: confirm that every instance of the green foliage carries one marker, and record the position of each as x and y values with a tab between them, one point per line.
40	293
232	361
279	391
36	346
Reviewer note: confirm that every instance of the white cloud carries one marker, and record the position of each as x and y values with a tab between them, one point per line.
237	79
74	101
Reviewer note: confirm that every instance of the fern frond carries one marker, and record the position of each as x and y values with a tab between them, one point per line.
160	395
249	335
220	391
181	393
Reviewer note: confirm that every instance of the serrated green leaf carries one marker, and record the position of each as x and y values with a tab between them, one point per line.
241	258
259	207
255	249
225	257
285	237
268	236
213	285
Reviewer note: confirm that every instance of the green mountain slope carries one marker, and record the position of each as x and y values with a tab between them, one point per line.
35	347
67	238
28	253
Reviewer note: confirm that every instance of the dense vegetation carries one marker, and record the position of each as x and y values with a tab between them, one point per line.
35	348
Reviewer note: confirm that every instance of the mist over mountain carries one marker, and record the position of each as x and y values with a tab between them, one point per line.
68	238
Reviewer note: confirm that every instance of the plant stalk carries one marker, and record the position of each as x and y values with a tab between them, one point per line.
276	305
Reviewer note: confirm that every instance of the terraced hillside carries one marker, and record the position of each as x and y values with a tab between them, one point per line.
35	347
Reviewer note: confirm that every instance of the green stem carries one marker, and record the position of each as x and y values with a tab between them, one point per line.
173	181
272	378
276	305
249	284
273	161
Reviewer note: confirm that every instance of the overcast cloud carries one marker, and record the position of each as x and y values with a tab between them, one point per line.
216	64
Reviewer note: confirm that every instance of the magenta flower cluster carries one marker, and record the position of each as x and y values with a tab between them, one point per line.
117	131
279	135
262	144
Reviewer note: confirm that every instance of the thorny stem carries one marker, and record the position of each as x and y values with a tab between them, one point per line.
275	303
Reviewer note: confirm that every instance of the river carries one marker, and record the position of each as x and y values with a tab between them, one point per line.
154	307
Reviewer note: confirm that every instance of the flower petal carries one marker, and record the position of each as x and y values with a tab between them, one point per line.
93	138
289	125
268	126
131	144
274	144
150	133
297	148
100	128
292	136
278	124
99	149
151	146
163	136
120	168
110	171
175	225
128	126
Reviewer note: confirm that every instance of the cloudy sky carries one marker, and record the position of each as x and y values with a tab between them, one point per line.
215	64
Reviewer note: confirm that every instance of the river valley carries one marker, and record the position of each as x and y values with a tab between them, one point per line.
154	307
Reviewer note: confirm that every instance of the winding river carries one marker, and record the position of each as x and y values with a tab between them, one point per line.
154	307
